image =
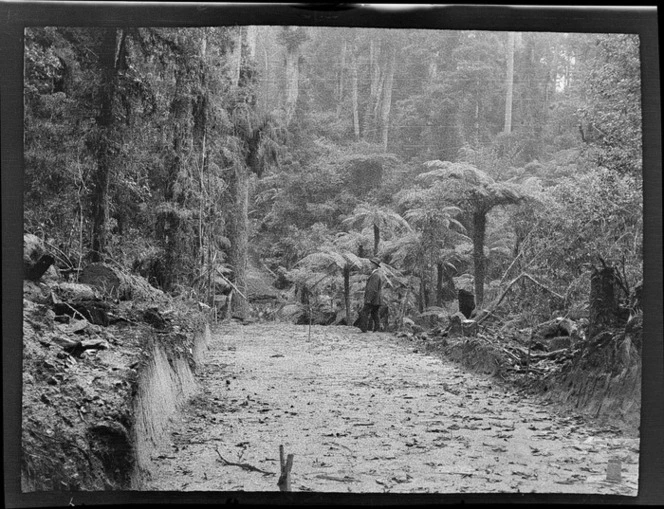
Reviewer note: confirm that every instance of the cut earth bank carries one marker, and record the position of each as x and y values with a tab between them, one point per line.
106	365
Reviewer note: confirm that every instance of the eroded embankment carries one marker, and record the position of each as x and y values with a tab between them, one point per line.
96	398
165	383
599	379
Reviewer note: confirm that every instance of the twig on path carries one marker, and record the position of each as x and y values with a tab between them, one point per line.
286	465
245	466
336	478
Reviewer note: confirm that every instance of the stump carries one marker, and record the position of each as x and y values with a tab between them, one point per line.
466	302
286	465
461	326
603	303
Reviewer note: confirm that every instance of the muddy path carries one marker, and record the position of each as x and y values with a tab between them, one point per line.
368	413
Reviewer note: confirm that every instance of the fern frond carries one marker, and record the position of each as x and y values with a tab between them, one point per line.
434	311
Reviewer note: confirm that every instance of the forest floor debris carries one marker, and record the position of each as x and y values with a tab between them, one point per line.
375	413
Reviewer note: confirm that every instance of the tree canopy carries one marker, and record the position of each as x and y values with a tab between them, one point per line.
189	152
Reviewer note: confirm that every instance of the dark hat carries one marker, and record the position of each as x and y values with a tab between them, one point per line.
375	261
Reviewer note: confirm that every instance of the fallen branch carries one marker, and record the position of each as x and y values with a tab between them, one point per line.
540	355
532	370
517	359
230	283
245	466
268	269
336	478
286	465
76	311
512	283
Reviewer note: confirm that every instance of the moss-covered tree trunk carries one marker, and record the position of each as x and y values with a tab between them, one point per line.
105	143
170	224
200	107
238	235
479	231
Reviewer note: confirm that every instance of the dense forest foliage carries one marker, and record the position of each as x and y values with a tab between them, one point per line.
463	159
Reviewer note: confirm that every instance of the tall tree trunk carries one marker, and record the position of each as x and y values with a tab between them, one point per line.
509	83
387	97
200	115
356	117
340	84
375	112
552	81
374	69
376	232
238	234
251	35
110	54
292	79
479	230
236	56
265	47
346	271
477	113
169	221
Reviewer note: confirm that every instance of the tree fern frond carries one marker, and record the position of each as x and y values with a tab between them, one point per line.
353	260
434	311
328	259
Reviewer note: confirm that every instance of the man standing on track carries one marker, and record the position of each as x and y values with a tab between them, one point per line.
372	299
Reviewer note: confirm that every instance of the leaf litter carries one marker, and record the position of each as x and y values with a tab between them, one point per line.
471	435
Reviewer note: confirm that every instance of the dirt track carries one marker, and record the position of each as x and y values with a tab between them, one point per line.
366	413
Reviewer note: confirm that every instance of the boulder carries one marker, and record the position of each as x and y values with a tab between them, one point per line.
36	261
108	279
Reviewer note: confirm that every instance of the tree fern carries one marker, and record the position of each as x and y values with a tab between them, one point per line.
477	193
380	219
